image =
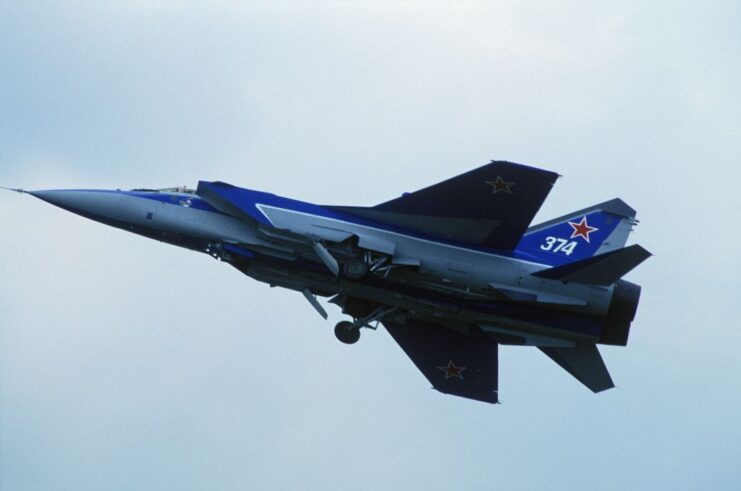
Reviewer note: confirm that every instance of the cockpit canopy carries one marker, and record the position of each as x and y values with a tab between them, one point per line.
178	189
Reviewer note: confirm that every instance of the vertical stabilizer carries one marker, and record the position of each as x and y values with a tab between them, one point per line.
579	235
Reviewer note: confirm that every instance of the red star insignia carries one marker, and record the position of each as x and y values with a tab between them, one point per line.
500	185
452	371
582	229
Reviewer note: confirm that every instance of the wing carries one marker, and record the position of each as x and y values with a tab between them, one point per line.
454	363
491	205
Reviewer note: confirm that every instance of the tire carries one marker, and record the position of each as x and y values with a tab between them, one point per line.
355	269
346	332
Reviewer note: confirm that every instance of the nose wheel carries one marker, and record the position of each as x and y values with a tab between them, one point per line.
347	332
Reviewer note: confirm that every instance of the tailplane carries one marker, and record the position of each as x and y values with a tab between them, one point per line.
584	363
603	269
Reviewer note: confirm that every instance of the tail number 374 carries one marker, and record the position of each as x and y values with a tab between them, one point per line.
555	244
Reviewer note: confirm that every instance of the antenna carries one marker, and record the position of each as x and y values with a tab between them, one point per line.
17	190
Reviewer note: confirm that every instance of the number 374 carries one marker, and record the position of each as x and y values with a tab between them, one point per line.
554	244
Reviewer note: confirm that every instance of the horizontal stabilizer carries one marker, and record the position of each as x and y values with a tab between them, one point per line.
454	363
584	363
604	269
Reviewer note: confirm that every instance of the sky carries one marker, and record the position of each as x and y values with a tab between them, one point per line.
126	363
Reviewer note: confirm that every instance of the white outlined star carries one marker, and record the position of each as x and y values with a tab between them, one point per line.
582	229
500	185
452	371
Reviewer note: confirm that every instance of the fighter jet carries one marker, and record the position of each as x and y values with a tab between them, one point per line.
451	271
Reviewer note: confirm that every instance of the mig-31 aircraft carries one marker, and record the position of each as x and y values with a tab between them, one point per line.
451	271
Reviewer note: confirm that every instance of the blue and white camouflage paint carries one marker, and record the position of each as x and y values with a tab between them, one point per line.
452	271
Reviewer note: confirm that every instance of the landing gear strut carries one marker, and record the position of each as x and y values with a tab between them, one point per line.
349	332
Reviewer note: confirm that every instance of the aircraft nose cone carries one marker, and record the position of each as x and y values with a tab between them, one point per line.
53	197
88	203
64	198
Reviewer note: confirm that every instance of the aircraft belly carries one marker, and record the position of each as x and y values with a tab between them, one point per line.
553	325
450	265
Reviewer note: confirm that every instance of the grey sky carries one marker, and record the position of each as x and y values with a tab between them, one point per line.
129	364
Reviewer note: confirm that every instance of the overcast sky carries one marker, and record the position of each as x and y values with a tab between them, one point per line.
129	364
